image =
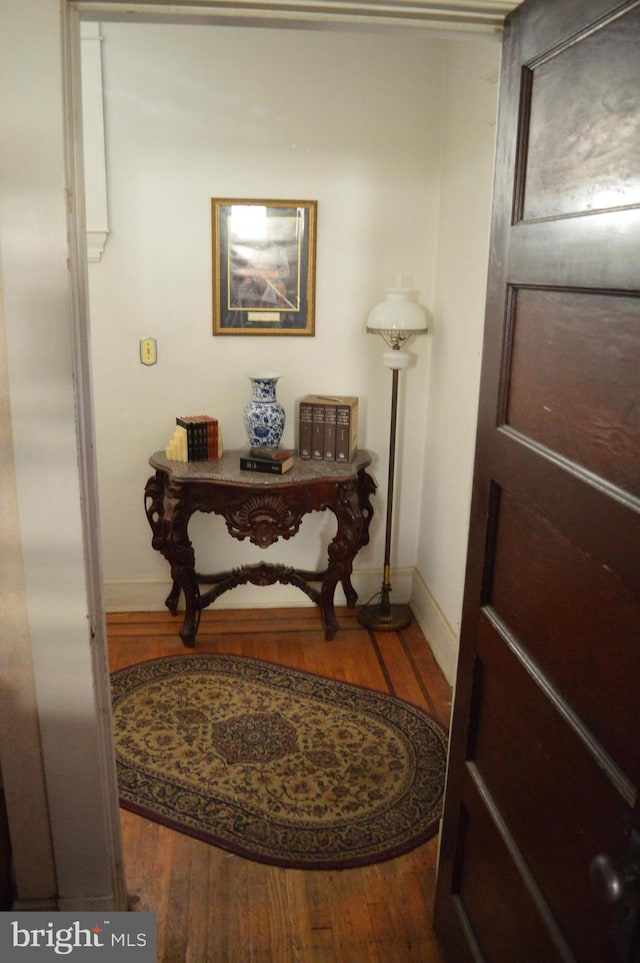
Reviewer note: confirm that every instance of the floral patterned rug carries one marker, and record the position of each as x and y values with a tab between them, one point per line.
274	764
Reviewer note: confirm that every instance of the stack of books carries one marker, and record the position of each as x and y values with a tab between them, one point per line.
195	438
274	461
328	427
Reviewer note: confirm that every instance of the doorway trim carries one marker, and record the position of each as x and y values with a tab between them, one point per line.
443	19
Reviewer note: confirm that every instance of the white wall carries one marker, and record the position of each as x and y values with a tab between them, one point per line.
393	135
352	120
463	249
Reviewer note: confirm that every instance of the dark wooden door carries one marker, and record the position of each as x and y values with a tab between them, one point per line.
541	818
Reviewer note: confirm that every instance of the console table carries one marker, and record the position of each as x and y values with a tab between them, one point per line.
262	508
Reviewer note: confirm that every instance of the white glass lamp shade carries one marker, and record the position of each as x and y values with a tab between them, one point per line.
399	317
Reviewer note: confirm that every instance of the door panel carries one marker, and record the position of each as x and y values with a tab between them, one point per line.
584	152
558	602
563	346
545	745
493	929
561	796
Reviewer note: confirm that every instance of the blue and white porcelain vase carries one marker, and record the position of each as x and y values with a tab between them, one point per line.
264	416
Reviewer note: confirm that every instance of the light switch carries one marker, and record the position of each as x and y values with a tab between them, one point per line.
148	351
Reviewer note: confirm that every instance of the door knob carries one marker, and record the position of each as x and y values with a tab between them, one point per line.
608	883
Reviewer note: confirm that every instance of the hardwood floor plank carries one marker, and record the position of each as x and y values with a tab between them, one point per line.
198	906
159	889
239	939
177	907
352	928
405	684
261	933
320	892
302	937
425	664
219	907
215	907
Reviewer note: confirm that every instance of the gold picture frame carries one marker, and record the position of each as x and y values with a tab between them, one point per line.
264	266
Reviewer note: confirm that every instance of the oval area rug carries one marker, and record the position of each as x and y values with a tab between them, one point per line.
276	764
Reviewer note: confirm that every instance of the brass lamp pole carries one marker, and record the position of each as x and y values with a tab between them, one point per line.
397	319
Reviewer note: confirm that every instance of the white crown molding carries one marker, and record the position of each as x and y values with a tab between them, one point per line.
448	15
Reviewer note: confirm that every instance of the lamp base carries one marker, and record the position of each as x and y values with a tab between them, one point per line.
385	617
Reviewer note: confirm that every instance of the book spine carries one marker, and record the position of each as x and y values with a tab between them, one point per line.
187	423
263	453
353	439
268	467
305	431
212	439
201	438
317	441
197	439
346	432
330	418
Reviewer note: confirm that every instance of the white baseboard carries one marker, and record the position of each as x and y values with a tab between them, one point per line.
439	634
93	904
35	905
79	904
149	594
135	594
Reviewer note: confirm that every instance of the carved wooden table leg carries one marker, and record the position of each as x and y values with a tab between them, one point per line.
165	503
353	514
191	619
154	509
182	558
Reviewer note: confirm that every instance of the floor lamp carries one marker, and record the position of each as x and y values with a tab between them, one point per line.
397	319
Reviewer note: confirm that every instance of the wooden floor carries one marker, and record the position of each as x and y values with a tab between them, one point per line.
215	907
